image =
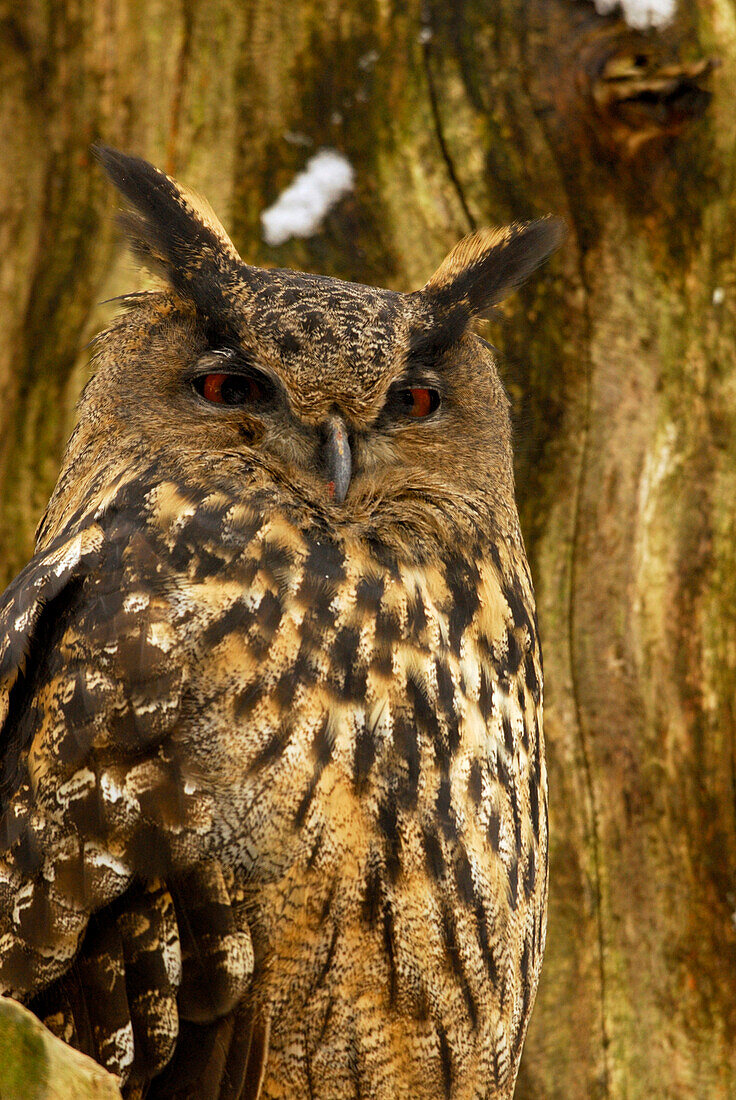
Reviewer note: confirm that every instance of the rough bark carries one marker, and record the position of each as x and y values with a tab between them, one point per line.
619	360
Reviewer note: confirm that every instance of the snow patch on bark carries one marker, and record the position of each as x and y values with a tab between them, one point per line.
300	210
642	15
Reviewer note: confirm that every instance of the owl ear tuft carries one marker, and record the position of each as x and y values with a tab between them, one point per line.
485	267
172	230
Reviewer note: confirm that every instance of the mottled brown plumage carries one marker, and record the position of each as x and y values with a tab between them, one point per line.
274	812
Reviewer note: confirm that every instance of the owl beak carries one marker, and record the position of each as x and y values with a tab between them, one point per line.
338	460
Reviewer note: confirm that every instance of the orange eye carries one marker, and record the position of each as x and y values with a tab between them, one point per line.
417	402
212	387
233	389
423	402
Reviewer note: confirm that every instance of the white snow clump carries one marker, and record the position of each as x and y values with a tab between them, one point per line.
302	207
640	14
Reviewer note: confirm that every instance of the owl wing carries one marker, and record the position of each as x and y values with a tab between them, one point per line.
112	923
28	606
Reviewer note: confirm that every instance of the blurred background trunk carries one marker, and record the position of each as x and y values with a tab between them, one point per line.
619	359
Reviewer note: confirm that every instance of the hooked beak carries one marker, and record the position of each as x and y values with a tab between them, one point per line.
338	460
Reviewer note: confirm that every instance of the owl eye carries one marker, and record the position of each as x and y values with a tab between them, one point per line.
421	401
233	389
413	401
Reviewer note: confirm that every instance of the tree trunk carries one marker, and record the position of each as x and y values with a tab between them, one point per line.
619	359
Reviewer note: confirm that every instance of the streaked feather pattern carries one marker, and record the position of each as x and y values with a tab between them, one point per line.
272	768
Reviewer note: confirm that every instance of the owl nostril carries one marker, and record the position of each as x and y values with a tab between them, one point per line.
338	459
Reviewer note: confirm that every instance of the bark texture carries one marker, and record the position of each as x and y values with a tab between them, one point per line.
619	359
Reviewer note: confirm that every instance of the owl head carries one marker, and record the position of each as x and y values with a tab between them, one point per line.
358	405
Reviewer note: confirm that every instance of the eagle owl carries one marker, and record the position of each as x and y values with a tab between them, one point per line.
272	774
